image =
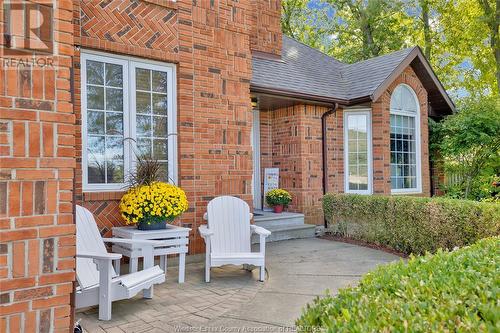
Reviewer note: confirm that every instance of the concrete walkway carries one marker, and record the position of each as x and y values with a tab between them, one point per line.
298	271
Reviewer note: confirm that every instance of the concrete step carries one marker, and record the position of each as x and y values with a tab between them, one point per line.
269	219
284	232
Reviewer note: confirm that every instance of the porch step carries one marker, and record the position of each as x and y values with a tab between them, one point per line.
269	219
283	226
287	232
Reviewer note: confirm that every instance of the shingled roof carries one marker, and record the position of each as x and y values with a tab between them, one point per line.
310	73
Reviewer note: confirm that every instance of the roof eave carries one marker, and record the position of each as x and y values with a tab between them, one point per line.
294	94
309	97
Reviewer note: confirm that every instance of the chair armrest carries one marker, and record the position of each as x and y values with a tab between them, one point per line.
204	231
99	256
134	241
259	230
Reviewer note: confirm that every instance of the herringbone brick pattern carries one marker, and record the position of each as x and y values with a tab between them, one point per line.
106	213
125	21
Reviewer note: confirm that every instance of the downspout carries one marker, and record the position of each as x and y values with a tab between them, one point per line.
324	150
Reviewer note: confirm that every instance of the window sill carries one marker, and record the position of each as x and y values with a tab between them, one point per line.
359	192
407	193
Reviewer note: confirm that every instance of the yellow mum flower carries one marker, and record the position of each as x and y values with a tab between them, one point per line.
157	199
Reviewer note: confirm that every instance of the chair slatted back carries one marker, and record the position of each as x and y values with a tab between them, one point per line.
88	239
229	220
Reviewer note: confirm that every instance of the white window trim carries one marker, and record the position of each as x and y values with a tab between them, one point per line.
418	155
171	114
367	113
129	124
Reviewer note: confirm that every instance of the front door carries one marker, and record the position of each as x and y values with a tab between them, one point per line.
256	183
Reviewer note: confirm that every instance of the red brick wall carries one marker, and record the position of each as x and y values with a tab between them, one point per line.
291	141
335	151
211	44
266	33
438	179
37	161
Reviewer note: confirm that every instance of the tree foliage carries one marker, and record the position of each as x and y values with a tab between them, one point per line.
491	16
459	37
466	59
470	142
303	23
365	29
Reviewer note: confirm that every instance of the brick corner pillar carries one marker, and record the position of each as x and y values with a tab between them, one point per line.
297	154
37	161
266	33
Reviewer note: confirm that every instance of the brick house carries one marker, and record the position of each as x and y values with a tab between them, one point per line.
239	96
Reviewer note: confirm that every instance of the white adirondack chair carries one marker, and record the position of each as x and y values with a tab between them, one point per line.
227	236
102	285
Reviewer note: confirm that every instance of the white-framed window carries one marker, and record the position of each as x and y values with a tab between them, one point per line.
358	152
405	141
128	107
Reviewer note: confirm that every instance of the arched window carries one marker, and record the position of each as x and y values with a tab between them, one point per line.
405	141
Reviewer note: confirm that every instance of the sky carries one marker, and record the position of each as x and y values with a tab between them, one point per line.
317	4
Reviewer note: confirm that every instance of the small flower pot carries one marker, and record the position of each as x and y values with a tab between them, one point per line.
278	209
152	226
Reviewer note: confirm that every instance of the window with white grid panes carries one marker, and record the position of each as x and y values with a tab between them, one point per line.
127	109
357	150
405	141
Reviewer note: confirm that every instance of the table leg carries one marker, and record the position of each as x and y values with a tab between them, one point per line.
133	265
163	264
182	267
147	293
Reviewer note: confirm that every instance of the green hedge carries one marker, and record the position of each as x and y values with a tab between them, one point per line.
455	291
412	224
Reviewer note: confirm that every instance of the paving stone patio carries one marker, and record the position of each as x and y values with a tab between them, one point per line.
234	301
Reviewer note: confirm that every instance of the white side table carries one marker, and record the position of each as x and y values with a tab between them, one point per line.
175	240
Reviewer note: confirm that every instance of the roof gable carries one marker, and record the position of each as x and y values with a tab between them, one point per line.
441	103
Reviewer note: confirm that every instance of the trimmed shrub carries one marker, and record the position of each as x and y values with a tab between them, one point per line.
455	291
411	224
